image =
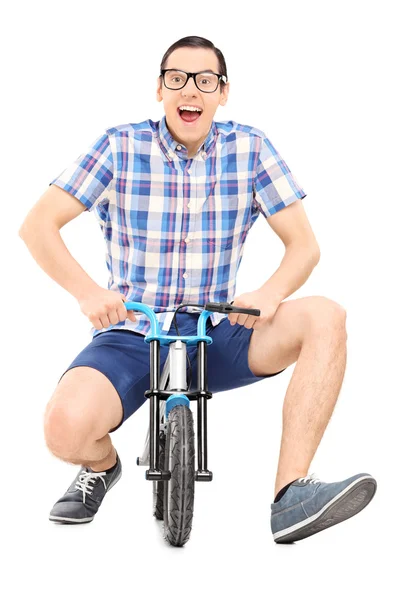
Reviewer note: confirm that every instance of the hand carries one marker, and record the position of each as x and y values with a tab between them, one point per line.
258	300
105	307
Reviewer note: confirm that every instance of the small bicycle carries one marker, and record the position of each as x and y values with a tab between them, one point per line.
170	443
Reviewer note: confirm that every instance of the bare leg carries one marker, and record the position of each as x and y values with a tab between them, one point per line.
310	331
310	399
99	455
83	409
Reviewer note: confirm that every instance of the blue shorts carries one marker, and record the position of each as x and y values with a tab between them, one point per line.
124	358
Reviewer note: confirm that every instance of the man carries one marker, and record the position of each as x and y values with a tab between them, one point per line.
175	200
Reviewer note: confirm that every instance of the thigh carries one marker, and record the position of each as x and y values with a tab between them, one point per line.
278	344
111	394
227	358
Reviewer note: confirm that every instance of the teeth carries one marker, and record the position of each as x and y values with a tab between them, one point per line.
192	108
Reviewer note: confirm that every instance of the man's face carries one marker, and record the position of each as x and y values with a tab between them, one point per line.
191	60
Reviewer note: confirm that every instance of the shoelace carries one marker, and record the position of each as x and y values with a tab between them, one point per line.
84	480
310	478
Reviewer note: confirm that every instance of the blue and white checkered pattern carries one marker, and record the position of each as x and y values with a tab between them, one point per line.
175	227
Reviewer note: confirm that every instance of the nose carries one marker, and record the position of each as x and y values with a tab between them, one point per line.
190	87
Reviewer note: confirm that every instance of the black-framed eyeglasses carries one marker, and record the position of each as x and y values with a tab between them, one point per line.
206	81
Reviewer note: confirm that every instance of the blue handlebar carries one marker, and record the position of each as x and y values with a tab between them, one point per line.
139	306
154	324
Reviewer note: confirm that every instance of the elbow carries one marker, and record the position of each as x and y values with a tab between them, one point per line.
316	255
21	231
311	254
24	230
310	251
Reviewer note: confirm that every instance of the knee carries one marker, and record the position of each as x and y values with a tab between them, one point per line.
65	431
324	314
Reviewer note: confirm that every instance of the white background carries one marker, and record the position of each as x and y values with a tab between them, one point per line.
320	79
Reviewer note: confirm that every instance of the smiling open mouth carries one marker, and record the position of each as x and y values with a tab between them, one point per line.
189	116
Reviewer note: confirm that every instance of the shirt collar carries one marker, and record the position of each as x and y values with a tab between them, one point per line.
171	147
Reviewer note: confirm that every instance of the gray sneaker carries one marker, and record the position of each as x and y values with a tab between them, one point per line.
85	494
310	505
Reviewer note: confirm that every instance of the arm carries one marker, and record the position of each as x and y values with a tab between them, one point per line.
40	232
301	252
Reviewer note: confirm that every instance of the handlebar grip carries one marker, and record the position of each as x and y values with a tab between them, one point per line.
224	307
247	311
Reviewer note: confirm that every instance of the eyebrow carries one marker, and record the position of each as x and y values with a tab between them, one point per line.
203	71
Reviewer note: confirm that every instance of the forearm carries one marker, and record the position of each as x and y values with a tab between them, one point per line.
296	267
47	247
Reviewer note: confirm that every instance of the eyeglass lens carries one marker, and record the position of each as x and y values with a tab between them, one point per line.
207	82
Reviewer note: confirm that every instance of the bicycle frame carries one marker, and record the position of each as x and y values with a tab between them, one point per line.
164	397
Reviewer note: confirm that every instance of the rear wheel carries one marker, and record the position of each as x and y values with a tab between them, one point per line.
179	490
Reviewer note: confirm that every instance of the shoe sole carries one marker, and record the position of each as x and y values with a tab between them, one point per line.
346	504
69	520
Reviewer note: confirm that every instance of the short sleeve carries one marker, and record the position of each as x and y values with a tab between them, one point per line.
274	186
89	176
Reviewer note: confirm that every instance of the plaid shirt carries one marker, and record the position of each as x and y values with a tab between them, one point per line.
175	227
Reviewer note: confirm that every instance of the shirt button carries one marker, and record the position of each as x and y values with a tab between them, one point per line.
187	240
179	147
204	155
188	205
185	275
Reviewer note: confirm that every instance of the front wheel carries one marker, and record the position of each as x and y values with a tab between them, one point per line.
179	490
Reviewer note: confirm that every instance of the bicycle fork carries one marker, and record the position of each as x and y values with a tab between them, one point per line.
176	393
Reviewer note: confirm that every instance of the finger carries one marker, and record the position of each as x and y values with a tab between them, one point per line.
113	317
250	322
121	312
242	318
105	323
95	322
126	314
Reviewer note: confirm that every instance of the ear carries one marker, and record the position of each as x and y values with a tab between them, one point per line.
224	95
159	97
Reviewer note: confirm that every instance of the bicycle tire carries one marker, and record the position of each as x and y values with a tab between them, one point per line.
179	490
158	486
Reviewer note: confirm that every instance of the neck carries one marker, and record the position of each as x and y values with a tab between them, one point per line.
192	147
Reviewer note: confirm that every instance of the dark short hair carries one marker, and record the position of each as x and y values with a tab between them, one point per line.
193	41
